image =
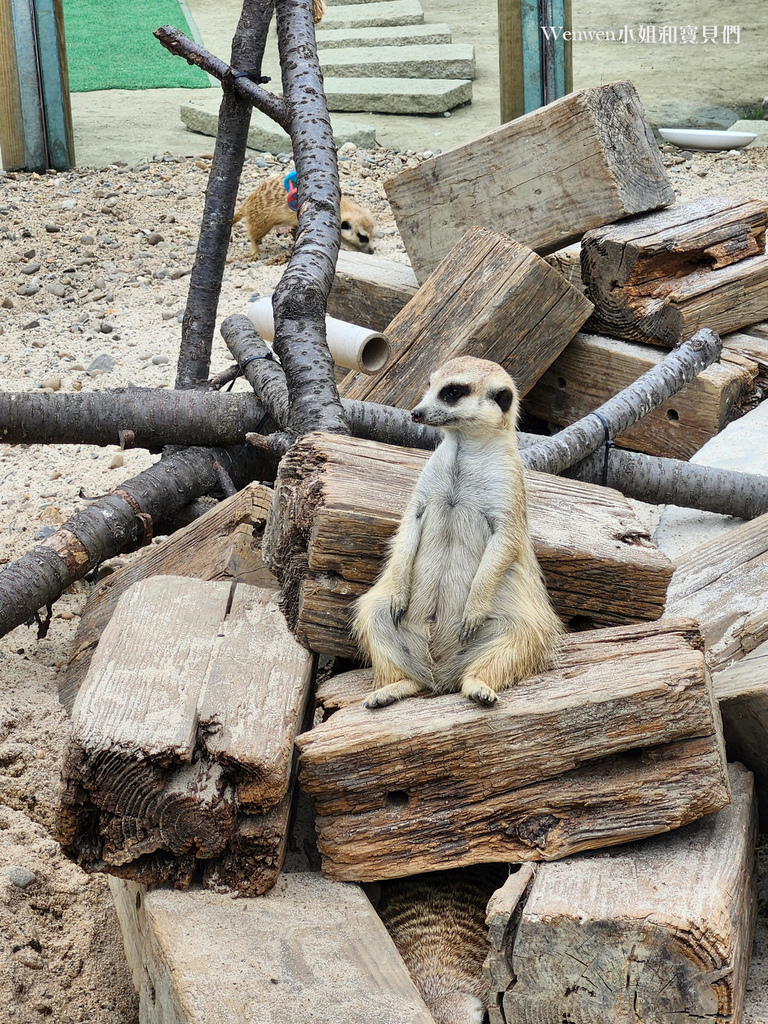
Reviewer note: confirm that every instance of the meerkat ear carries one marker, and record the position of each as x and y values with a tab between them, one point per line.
503	399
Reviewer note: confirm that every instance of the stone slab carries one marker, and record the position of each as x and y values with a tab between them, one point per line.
758	128
397	95
742	447
385	12
264	136
384	35
443	60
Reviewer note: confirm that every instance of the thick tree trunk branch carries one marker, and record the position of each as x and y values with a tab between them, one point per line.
300	299
672	482
156	418
648	392
115	523
199	318
265	101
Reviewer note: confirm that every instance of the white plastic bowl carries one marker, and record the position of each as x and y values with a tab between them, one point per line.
695	138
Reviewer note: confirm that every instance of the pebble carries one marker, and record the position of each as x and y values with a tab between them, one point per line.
28	325
103	363
117	461
7	303
105	327
52	229
29	268
154	237
160	360
20	877
53	383
87	240
56	288
68	204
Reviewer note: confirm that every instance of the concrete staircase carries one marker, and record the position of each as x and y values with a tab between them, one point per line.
378	56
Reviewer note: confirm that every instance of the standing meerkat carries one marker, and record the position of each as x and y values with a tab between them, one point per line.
266	208
461	602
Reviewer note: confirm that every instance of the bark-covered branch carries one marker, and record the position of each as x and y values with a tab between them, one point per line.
273	106
115	523
672	482
300	299
648	392
366	419
156	418
199	320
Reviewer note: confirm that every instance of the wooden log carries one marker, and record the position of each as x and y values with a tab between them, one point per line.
328	530
567	261
593	368
490	297
660	277
545	178
187	716
370	290
724	584
311	951
434	782
656	931
223	544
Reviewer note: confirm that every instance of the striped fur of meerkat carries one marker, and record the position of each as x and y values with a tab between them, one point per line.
437	922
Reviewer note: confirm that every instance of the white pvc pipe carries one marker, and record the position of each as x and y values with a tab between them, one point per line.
356	348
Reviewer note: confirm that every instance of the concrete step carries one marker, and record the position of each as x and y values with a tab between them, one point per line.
386	35
202	115
444	60
397	95
369	15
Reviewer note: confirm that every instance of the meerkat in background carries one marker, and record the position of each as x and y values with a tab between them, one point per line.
437	922
461	603
266	208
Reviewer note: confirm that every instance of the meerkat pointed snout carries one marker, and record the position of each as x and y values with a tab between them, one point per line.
461	602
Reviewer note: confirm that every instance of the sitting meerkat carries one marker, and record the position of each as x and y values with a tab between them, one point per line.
266	208
461	603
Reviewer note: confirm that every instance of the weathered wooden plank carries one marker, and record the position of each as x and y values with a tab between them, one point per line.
491	297
724	584
567	261
54	81
433	782
659	930
660	277
593	368
225	543
11	124
311	951
545	178
370	290
329	527
187	715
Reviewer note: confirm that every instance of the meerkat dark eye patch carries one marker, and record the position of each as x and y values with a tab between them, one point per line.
452	393
503	399
362	238
346	226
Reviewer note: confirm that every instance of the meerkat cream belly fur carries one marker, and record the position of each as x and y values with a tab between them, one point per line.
461	602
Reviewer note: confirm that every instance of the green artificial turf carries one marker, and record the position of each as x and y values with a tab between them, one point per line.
110	46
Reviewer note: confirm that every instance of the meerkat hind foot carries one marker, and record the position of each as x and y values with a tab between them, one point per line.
478	691
393	692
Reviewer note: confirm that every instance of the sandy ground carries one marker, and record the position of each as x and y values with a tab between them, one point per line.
95	268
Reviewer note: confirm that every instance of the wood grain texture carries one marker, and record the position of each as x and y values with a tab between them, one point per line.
491	297
370	290
593	368
225	543
660	277
656	931
724	584
338	501
311	951
545	178
621	741
187	717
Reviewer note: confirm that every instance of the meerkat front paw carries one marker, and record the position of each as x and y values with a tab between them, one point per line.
475	689
470	624
398	606
392	692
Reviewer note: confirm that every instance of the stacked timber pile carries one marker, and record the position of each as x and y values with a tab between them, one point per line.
190	706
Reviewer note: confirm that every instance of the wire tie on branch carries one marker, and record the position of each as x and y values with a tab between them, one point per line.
608	445
252	76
